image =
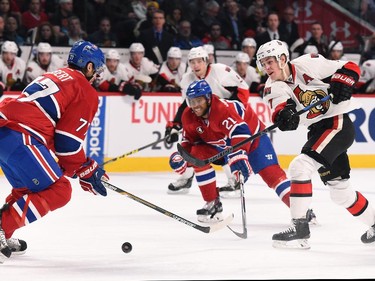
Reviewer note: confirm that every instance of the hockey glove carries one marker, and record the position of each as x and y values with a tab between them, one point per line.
91	176
2	88
177	163
131	89
171	132
239	162
342	84
286	117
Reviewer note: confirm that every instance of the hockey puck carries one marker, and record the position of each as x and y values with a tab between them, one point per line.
127	247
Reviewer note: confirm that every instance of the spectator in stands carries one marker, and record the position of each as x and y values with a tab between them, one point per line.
8	8
194	9
336	51
252	10
104	37
173	20
2	30
75	32
369	51
34	16
256	23
117	77
272	32
170	73
12	68
288	26
142	68
45	33
156	40
147	22
232	24
210	49
185	40
61	16
43	61
249	46
216	38
366	82
12	30
317	39
208	14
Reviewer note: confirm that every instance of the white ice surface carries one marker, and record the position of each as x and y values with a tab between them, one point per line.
82	241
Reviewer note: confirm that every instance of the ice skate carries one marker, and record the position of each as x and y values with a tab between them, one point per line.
17	246
231	189
5	251
183	183
369	235
211	212
311	217
295	237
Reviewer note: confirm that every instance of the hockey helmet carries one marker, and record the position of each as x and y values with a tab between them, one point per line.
174	52
9	47
242	57
210	49
249	42
44	48
198	89
112	54
310	49
335	46
83	52
197	52
274	48
136	48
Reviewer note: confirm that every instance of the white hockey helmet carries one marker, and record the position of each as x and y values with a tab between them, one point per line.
10	47
136	48
310	49
242	57
197	52
174	52
249	42
335	46
112	54
44	48
210	49
274	48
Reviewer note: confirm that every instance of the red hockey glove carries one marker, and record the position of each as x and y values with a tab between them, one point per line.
342	84
286	117
171	131
91	176
239	162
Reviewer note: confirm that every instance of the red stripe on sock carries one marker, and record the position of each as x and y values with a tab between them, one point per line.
359	205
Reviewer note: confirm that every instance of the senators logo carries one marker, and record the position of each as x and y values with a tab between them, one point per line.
309	97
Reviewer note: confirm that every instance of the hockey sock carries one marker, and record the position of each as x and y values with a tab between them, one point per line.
206	179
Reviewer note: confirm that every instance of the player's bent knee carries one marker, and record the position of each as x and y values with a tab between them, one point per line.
302	167
341	192
58	194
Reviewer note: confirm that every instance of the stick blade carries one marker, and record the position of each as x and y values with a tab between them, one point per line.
239	234
222	224
190	158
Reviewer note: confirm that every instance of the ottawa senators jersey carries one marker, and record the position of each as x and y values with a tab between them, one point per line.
34	70
228	123
122	73
308	82
223	80
57	108
172	76
9	75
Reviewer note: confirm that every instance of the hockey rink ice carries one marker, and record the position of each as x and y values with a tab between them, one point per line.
82	241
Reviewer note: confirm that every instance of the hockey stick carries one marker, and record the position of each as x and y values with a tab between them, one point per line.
205	229
200	163
242	235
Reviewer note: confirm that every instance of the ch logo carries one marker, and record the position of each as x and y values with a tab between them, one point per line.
344	29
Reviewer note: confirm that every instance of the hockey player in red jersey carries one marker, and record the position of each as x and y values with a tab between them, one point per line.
53	113
291	86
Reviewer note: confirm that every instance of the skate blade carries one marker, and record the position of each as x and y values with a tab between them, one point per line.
207	219
230	194
180	191
314	222
302	244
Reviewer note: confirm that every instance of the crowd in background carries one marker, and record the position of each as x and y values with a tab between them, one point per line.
161	25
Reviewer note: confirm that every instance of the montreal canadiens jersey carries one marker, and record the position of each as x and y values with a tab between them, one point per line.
306	86
34	70
57	108
228	123
10	75
368	75
221	78
172	76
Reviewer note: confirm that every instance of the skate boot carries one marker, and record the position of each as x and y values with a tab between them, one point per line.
369	235
5	251
183	183
17	246
231	190
211	211
296	236
311	217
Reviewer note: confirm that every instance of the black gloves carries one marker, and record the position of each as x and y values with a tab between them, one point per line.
288	121
132	90
342	84
171	132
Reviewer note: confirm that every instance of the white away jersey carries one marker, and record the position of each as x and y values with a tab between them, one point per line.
251	75
147	67
10	75
367	74
173	77
305	86
218	77
122	73
34	70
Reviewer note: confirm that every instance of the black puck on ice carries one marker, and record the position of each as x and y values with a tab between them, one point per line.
126	247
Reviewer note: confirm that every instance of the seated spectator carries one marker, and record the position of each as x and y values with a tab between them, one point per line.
142	68
61	16
185	40
170	73
336	51
117	77
104	37
45	33
146	23
318	39
43	61
12	68
75	32
172	21
369	50
288	26
210	49
2	30
12	31
208	15
216	39
366	82
272	32
9	8
34	16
